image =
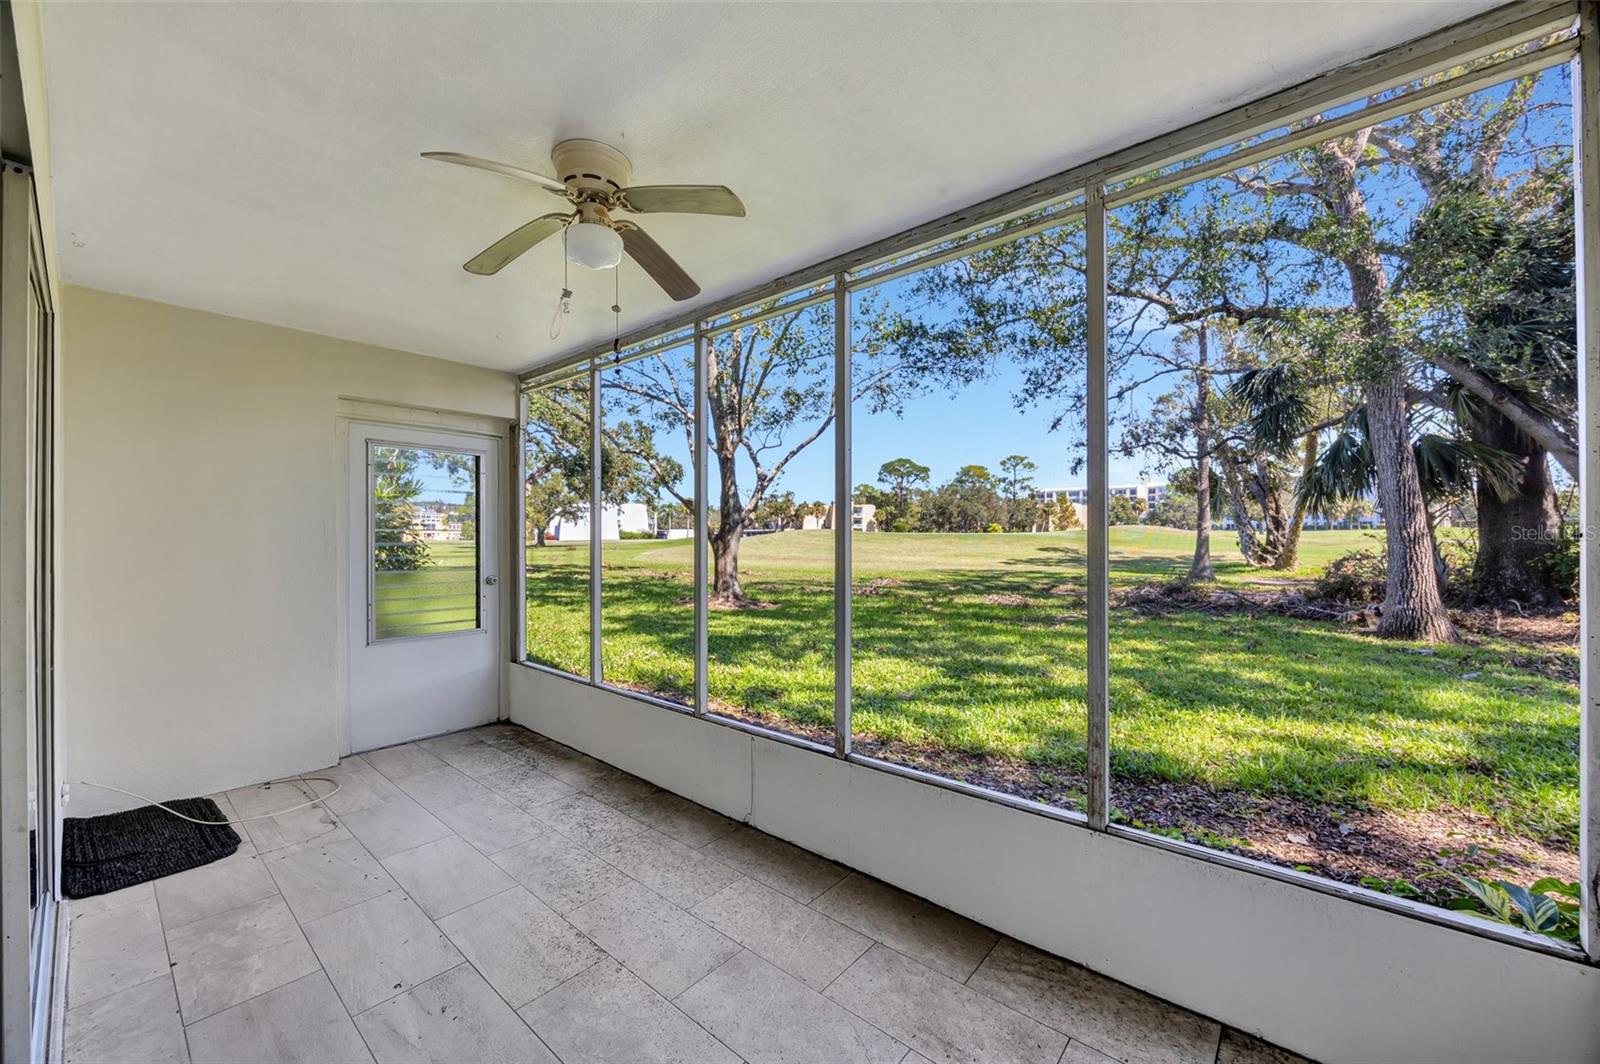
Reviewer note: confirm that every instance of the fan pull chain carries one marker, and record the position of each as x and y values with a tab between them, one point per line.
616	311
564	301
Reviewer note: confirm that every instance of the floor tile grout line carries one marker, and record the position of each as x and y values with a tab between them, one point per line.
352	836
865	1019
467	961
870	940
967	982
606	957
1009	1008
121	990
166	949
323	966
847	873
672	1002
303	937
593	850
463	963
320	970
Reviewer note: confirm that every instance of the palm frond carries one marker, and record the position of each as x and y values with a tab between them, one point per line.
1276	402
1344	470
1449	465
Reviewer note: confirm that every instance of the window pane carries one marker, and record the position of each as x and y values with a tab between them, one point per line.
556	443
969	650
424	541
770	626
647	529
1372	675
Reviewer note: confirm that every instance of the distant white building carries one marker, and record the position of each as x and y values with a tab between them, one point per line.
1146	494
614	520
437	525
863	517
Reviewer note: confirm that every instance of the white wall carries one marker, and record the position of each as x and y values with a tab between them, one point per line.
1330	978
202	481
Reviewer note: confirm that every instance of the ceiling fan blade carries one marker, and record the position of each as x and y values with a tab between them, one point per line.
657	263
494	258
682	199
549	184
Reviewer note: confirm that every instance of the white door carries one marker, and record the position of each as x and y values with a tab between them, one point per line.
424	583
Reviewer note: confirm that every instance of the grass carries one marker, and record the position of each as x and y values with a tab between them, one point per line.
441	597
974	646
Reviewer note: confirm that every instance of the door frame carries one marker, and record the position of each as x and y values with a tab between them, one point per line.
369	416
28	348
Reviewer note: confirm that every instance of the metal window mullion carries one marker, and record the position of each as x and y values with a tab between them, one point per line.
595	674
701	532
861	282
1586	134
1373	115
371	517
843	518
1099	668
519	530
726	324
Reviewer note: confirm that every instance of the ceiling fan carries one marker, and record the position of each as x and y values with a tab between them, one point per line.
594	179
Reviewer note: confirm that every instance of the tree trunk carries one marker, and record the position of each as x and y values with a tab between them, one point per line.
1233	480
725	587
1200	568
1515	534
1412	605
538	537
1274	523
1289	557
731	518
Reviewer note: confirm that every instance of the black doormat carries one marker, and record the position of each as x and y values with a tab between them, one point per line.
100	854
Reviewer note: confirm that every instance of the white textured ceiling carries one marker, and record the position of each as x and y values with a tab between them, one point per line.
260	159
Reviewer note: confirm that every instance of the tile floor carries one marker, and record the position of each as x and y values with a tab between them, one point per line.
495	896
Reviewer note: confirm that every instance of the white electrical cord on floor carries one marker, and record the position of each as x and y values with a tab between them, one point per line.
264	816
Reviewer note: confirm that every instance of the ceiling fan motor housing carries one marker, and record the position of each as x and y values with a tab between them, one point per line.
590	166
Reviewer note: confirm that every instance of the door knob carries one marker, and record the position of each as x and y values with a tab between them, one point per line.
491	580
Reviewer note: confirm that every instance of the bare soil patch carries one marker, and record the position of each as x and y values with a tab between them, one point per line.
1347	845
1544	633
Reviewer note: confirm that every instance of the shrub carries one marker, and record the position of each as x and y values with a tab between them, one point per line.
994	527
1358	579
637	535
1530	908
1563	560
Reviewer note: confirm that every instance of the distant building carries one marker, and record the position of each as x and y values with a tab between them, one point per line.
614	520
436	524
1146	494
863	517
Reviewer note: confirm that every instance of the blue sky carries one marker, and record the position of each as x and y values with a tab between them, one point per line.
439	484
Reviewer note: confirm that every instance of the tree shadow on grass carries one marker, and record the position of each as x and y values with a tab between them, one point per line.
989	664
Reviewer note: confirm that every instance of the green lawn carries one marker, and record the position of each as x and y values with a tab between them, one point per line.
440	597
969	652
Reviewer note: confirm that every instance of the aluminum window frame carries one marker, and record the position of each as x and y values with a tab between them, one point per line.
1082	193
662	345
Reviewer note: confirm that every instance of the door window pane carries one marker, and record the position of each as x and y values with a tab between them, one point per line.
424	541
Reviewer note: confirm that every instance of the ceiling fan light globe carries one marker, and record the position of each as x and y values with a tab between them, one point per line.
593	246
